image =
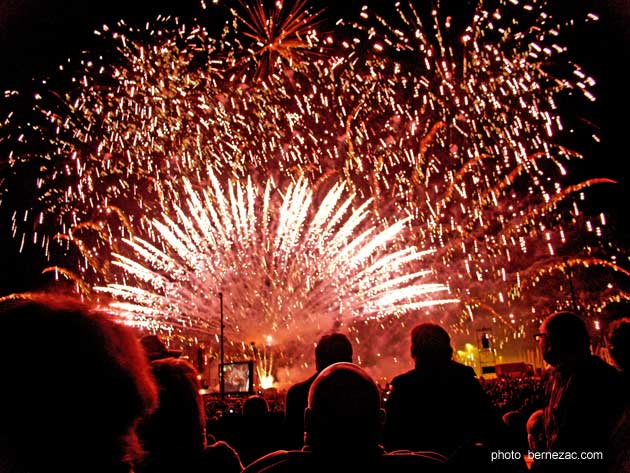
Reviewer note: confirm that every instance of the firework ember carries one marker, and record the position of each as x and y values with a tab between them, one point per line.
445	129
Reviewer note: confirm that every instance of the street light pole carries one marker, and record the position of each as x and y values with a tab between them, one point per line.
221	374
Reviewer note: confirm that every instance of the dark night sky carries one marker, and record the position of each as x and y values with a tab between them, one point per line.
37	35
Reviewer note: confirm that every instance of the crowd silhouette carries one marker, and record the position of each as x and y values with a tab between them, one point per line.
118	403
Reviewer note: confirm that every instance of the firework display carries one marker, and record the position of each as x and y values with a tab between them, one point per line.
281	266
147	161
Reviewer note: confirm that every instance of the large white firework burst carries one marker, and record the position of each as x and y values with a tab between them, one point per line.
285	264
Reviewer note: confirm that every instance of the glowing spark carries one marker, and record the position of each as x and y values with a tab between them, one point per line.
284	264
448	126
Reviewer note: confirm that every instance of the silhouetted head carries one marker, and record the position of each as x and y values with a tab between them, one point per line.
332	348
156	349
344	410
255	406
430	343
536	431
619	342
75	383
563	337
176	430
513	419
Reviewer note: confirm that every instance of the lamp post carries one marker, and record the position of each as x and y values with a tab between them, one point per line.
222	355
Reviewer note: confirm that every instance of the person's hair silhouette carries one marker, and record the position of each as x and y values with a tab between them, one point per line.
75	385
344	411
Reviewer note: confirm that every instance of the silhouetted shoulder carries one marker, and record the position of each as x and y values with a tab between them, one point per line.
602	378
220	456
304	461
405	460
301	387
282	461
599	364
462	369
404	379
452	370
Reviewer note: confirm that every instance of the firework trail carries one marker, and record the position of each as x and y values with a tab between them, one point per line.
451	122
284	266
